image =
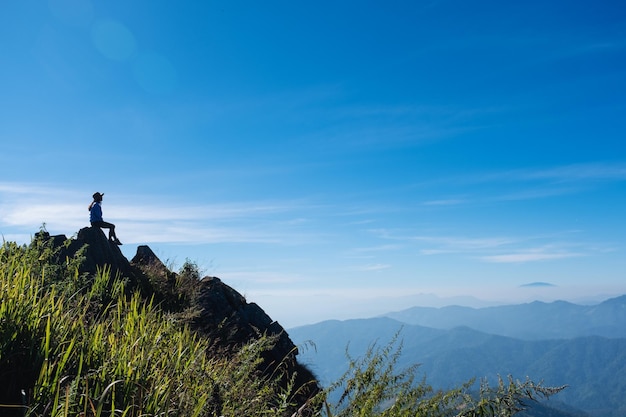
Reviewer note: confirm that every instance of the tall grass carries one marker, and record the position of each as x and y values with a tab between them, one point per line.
71	354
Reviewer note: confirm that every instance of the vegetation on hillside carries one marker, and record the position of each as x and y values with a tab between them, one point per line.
88	345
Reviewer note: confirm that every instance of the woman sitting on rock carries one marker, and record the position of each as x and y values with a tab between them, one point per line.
95	217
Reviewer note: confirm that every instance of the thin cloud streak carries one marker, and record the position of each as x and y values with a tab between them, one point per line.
262	277
465	244
591	171
577	172
445	202
64	211
372	267
209	212
528	257
495	249
527	183
538	193
193	234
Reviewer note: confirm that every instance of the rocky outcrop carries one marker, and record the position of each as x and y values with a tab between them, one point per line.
228	317
99	251
96	252
222	314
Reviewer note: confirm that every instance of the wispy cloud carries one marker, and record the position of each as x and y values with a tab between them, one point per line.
26	189
372	267
592	171
445	202
456	244
522	184
26	207
374	249
496	249
575	172
537	193
261	278
558	181
160	212
531	256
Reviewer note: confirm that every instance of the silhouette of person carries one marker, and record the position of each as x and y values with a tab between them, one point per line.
95	217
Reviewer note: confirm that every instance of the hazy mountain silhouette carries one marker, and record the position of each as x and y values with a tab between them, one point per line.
531	321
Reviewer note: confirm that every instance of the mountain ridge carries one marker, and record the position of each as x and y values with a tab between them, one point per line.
530	321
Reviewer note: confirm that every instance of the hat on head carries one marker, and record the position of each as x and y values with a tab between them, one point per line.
97	195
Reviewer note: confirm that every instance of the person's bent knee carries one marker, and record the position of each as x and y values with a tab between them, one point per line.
103	225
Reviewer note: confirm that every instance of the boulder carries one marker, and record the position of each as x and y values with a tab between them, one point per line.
100	252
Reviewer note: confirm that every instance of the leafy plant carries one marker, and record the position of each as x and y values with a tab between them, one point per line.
373	386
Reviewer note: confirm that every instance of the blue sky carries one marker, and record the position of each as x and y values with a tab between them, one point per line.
328	159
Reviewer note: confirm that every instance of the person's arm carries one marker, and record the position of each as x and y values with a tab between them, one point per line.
91	205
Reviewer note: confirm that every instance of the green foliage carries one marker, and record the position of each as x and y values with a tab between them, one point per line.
75	345
174	293
185	285
373	386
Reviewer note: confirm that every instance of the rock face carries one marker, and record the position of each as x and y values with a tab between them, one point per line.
224	314
97	252
232	317
228	317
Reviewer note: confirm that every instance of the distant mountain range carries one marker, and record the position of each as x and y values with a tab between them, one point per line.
532	321
565	344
